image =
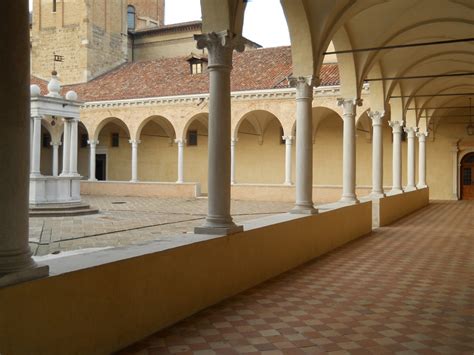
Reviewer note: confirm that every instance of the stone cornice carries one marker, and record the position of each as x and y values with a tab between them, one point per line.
285	93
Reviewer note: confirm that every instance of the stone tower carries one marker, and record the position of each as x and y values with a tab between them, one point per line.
91	35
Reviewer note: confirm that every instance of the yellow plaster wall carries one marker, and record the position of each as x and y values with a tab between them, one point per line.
102	309
260	163
195	157
118	158
141	189
327	152
157	155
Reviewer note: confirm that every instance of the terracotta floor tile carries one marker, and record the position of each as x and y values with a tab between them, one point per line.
405	289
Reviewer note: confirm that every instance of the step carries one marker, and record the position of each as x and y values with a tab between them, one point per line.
64	213
59	206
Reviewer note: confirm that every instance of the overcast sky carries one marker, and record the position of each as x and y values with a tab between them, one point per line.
264	20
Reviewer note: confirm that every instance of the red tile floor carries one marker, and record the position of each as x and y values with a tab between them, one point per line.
406	289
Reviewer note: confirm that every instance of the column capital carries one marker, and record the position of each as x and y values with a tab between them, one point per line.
376	117
134	141
304	86
348	105
92	142
422	136
288	139
220	46
411	131
39	117
397	126
55	144
234	140
180	141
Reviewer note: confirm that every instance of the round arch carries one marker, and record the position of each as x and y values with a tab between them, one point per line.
202	118
258	119
163	122
107	120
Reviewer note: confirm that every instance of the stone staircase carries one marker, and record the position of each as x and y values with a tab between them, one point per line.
62	210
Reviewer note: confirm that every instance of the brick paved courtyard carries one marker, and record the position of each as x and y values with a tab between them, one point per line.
406	289
133	220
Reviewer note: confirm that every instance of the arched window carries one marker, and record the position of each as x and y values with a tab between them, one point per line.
131	17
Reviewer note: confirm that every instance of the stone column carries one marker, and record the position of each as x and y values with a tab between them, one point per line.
55	146
411	132
396	157
73	149
32	130
421	159
134	143
304	145
454	151
377	154
66	147
36	151
220	47
181	144
288	143
233	142
349	150
16	264
92	154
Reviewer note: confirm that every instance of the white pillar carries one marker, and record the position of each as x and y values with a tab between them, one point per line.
396	157
220	47
304	145
134	143
288	143
349	150
454	151
55	146
411	132
377	154
36	155
32	130
66	147
233	142
181	143
92	154
16	264
73	152
422	159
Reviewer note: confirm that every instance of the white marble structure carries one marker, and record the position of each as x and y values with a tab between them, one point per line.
65	187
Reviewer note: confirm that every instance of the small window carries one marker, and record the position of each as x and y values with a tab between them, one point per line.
54	5
196	68
115	140
84	139
131	17
46	140
193	137
466	176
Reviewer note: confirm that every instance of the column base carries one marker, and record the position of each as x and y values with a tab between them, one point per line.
35	175
219	230
376	195
92	180
349	200
395	191
177	182
288	183
422	186
32	273
410	188
304	209
133	181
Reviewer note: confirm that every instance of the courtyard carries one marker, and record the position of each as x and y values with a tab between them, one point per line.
133	220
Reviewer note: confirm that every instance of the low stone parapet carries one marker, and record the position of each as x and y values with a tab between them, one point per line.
141	189
393	207
100	302
286	193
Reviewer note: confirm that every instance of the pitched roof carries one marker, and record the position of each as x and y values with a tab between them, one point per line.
258	69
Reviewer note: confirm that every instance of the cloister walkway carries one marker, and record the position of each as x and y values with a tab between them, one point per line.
407	288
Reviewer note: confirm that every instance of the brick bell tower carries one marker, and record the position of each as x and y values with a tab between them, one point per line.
148	13
91	35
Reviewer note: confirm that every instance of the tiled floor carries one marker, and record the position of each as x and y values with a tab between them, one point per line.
406	289
133	220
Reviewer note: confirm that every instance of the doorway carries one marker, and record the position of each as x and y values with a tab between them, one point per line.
467	177
101	167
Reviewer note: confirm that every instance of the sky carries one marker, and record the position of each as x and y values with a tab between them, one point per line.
264	22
